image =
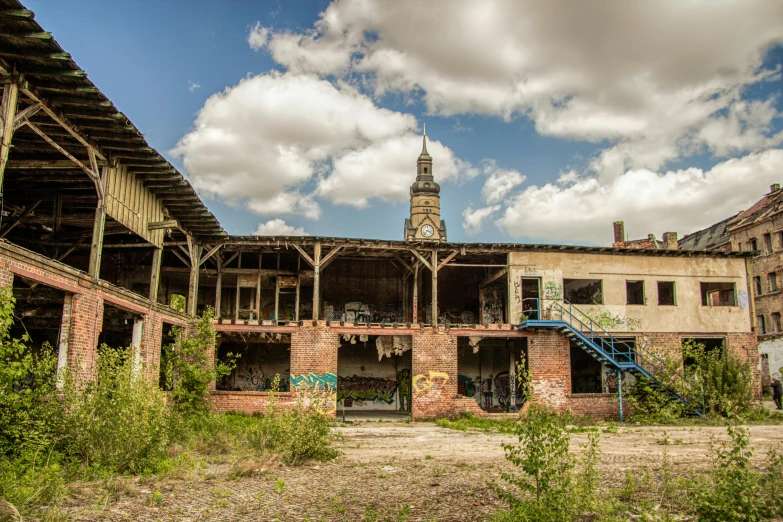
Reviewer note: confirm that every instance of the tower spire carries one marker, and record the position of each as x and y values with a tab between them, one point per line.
424	142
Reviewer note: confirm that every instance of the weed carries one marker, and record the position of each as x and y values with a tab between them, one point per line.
280	486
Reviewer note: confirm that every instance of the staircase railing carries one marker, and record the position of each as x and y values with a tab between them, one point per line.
626	355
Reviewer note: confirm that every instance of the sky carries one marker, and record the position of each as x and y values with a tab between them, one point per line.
546	120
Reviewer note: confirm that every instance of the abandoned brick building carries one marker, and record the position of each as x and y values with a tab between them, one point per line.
100	232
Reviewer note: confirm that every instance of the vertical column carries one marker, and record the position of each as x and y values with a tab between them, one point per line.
86	326
65	337
151	341
416	294
96	249
434	270
218	285
512	381
8	109
195	262
317	282
137	337
157	256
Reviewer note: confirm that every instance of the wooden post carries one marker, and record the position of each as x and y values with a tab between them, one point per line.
434	270
218	285
317	282
277	298
258	291
8	110
157	256
96	249
195	262
136	339
416	294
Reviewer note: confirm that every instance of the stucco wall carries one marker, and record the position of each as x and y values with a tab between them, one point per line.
688	315
774	350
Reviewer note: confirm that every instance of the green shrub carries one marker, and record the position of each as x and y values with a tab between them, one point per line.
117	422
649	404
192	369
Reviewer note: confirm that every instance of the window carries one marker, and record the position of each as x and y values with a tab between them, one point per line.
425	170
583	291
762	325
767	244
718	294
753	245
704	344
666	295
773	281
779	239
757	285
634	291
776	322
585	372
739	245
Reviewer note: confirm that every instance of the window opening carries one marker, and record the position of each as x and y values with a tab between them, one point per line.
634	291
718	294
776	322
773	281
767	244
757	285
666	294
585	372
753	245
706	344
583	291
762	324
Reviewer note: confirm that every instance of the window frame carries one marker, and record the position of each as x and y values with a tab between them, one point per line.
628	294
674	293
772	281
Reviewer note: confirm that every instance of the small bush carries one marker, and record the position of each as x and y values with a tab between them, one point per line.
118	421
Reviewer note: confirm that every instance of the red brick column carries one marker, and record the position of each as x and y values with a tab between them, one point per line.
434	374
314	350
86	325
6	276
549	364
152	337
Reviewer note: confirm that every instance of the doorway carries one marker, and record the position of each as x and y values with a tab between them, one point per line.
531	293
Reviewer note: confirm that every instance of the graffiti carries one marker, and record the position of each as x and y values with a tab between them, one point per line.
329	380
553	291
605	319
357	388
404	387
255	379
465	386
742	299
633	324
502	389
531	270
517	290
432	381
610	381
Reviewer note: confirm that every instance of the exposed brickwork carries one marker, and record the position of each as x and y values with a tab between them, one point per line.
247	402
314	350
596	405
549	365
435	394
151	344
86	325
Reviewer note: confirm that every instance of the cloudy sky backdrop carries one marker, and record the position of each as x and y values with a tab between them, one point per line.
548	120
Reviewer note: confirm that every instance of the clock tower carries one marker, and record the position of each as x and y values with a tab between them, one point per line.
425	224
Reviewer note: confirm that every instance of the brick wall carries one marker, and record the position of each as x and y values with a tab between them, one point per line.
151	344
596	405
314	350
549	364
434	374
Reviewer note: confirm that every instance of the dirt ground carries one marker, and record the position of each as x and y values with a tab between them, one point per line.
387	471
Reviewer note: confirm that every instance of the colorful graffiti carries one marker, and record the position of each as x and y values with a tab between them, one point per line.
742	299
432	381
553	290
404	387
605	319
502	389
465	386
328	380
372	389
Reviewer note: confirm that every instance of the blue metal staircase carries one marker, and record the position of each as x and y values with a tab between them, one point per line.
603	347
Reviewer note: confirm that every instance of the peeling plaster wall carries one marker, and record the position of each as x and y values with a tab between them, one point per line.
774	350
367	383
688	315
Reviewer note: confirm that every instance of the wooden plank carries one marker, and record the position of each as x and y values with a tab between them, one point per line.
96	248
493	277
416	293
218	288
304	254
162	225
7	113
19	219
23	115
195	255
421	258
449	258
157	256
328	257
212	252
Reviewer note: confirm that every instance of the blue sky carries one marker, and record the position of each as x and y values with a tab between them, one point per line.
549	123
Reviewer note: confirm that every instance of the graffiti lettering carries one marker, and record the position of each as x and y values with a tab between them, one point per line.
530	270
404	387
423	383
553	291
373	389
517	295
633	323
329	380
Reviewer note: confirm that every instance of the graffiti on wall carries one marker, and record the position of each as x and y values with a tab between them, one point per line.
328	380
502	389
553	290
365	389
742	299
433	380
465	386
605	319
255	379
404	387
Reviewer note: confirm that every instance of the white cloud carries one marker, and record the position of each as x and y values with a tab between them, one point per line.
583	210
473	221
192	86
273	139
278	227
258	37
656	79
499	182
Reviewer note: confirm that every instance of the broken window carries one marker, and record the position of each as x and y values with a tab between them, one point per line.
762	324
753	245
666	295
484	369
779	239
757	285
776	322
585	372
583	291
718	294
773	281
634	291
767	244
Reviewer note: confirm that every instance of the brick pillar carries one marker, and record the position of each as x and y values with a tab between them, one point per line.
434	374
151	345
314	350
619	232
86	325
65	337
6	276
549	364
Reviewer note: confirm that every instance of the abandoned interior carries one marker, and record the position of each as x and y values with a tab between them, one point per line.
101	237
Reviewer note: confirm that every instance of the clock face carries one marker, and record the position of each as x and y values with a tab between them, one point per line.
427	230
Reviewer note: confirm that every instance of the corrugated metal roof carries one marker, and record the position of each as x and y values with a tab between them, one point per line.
710	238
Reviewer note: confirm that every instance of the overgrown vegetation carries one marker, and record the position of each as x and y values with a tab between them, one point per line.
119	421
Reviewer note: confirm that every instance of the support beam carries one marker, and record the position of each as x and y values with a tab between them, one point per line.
218	286
435	288
23	115
96	248
317	282
195	256
162	225
304	255
212	252
137	338
19	219
157	256
416	293
8	113
449	258
329	257
493	277
421	258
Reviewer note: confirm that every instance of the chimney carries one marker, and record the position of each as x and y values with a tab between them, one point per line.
619	232
670	241
774	187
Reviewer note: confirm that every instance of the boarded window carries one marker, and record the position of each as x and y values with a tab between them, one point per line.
718	294
634	291
776	322
583	291
773	281
757	285
666	296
